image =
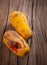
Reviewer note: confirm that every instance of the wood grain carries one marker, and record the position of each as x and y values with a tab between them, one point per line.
3	15
39	38
36	13
4	4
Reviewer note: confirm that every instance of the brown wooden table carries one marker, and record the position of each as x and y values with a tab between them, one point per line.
36	13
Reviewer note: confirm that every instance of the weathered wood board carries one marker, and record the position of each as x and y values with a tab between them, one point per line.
36	13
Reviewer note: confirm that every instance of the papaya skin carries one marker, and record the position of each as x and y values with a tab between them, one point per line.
16	43
19	22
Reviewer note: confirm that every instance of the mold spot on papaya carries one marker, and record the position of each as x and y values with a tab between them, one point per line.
24	46
8	34
15	15
17	45
14	48
23	42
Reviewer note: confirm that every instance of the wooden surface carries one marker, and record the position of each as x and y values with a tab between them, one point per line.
36	13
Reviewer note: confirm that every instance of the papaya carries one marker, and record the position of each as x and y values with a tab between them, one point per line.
20	23
16	43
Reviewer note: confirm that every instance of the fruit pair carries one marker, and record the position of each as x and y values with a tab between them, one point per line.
14	40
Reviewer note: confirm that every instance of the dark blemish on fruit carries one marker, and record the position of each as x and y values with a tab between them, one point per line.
22	41
13	48
24	20
17	45
24	46
8	34
15	15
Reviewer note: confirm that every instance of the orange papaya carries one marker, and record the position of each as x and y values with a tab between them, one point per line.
15	43
20	23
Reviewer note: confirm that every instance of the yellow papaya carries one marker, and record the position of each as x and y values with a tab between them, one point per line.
20	23
15	43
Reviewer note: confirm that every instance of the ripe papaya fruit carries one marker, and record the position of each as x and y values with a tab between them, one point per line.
15	43
20	23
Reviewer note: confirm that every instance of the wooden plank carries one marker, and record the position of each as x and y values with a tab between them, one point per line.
40	36
3	16
3	20
36	12
41	11
32	54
